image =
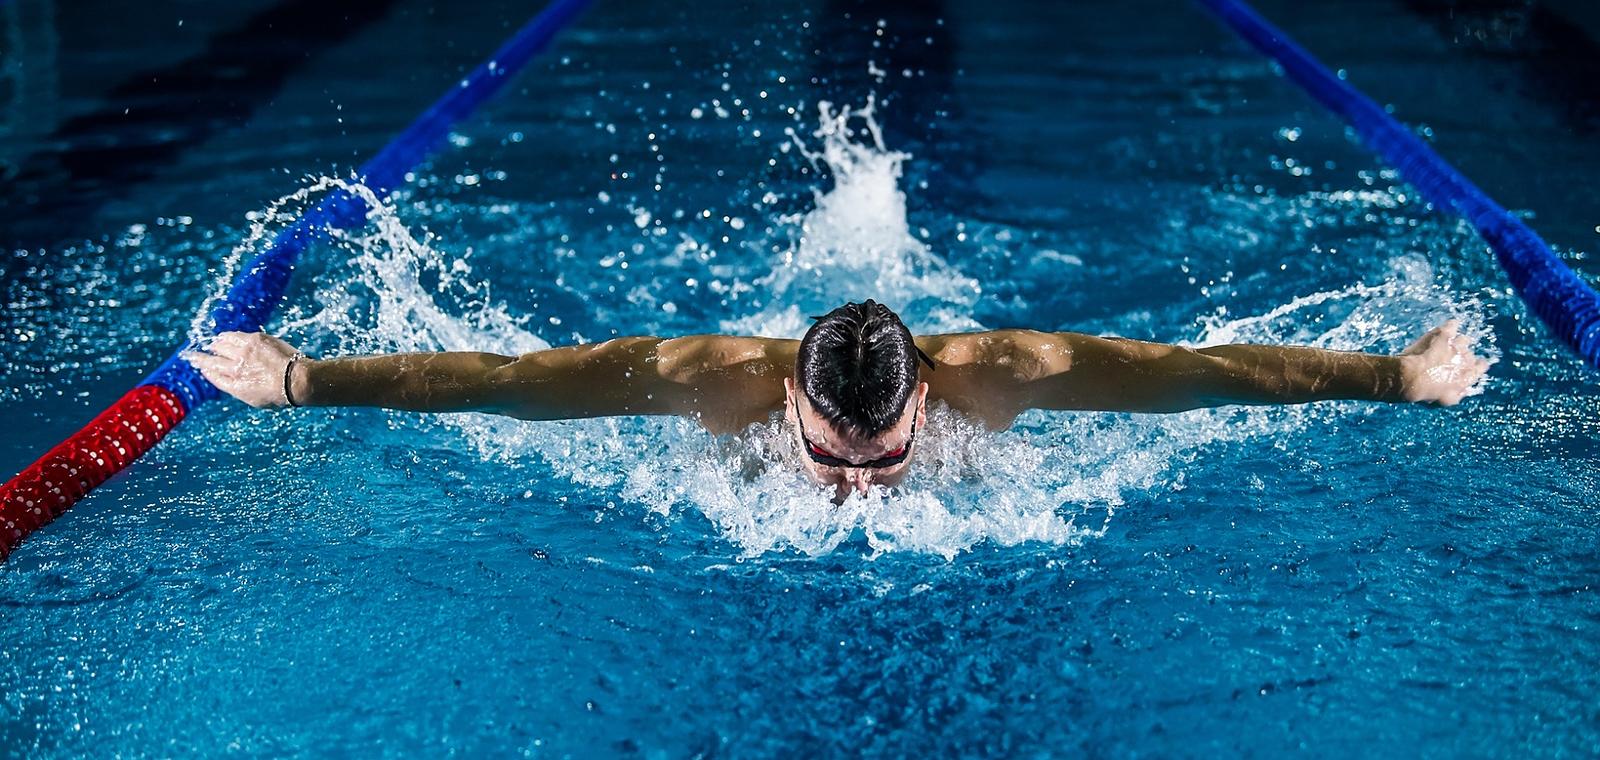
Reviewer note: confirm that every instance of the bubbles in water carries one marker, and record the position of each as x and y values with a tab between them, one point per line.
855	243
1055	477
394	292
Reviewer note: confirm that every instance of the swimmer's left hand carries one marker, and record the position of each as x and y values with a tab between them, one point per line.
1440	368
247	366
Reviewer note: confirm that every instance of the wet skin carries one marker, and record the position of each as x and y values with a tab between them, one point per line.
727	383
844	480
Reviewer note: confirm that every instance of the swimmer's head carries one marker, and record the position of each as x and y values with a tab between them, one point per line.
855	398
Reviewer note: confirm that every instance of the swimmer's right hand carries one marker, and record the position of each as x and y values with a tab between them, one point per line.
1440	368
250	367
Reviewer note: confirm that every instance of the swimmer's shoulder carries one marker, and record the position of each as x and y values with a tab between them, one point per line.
694	357
1023	354
983	375
730	381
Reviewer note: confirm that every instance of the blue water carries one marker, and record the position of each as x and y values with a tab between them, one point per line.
1338	578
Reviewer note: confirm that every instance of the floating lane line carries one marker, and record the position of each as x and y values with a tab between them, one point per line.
1567	304
135	423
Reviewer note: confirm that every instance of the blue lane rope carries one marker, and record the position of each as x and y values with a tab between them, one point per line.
255	293
1551	289
139	420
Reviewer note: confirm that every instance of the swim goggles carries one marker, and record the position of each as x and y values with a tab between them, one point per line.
822	457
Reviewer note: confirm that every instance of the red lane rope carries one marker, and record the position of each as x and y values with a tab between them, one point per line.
146	414
119	435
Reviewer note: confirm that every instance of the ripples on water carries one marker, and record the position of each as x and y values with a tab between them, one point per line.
394	286
321	580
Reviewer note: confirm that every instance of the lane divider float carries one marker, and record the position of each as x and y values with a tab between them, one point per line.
143	416
1567	304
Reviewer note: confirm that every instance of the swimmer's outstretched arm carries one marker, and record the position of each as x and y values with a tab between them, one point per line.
1075	371
705	377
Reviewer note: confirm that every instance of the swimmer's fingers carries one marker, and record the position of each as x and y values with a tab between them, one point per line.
232	345
220	372
252	347
1464	376
1445	334
1471	366
1441	367
248	383
210	365
1476	369
240	346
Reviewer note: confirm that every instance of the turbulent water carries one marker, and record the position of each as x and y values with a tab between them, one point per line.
1334	578
1058	478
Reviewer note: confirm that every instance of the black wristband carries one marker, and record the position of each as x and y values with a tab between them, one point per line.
287	370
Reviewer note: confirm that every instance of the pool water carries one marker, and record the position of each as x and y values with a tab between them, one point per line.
1336	578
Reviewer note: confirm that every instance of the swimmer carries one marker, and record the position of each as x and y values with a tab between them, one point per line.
854	389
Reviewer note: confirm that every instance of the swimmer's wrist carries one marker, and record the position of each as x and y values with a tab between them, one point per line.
300	385
1410	371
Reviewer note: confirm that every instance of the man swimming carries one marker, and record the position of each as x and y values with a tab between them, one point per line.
852	388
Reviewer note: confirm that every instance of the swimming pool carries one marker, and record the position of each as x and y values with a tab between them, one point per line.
1338	577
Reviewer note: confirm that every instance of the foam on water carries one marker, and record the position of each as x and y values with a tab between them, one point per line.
1057	477
856	243
395	292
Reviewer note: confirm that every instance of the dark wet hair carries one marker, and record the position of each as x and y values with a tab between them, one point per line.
858	366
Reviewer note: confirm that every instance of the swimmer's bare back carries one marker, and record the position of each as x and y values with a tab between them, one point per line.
729	382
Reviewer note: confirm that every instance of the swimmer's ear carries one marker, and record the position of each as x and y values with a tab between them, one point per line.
788	398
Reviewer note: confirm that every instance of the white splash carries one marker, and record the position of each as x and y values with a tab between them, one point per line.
1056	478
855	243
278	216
